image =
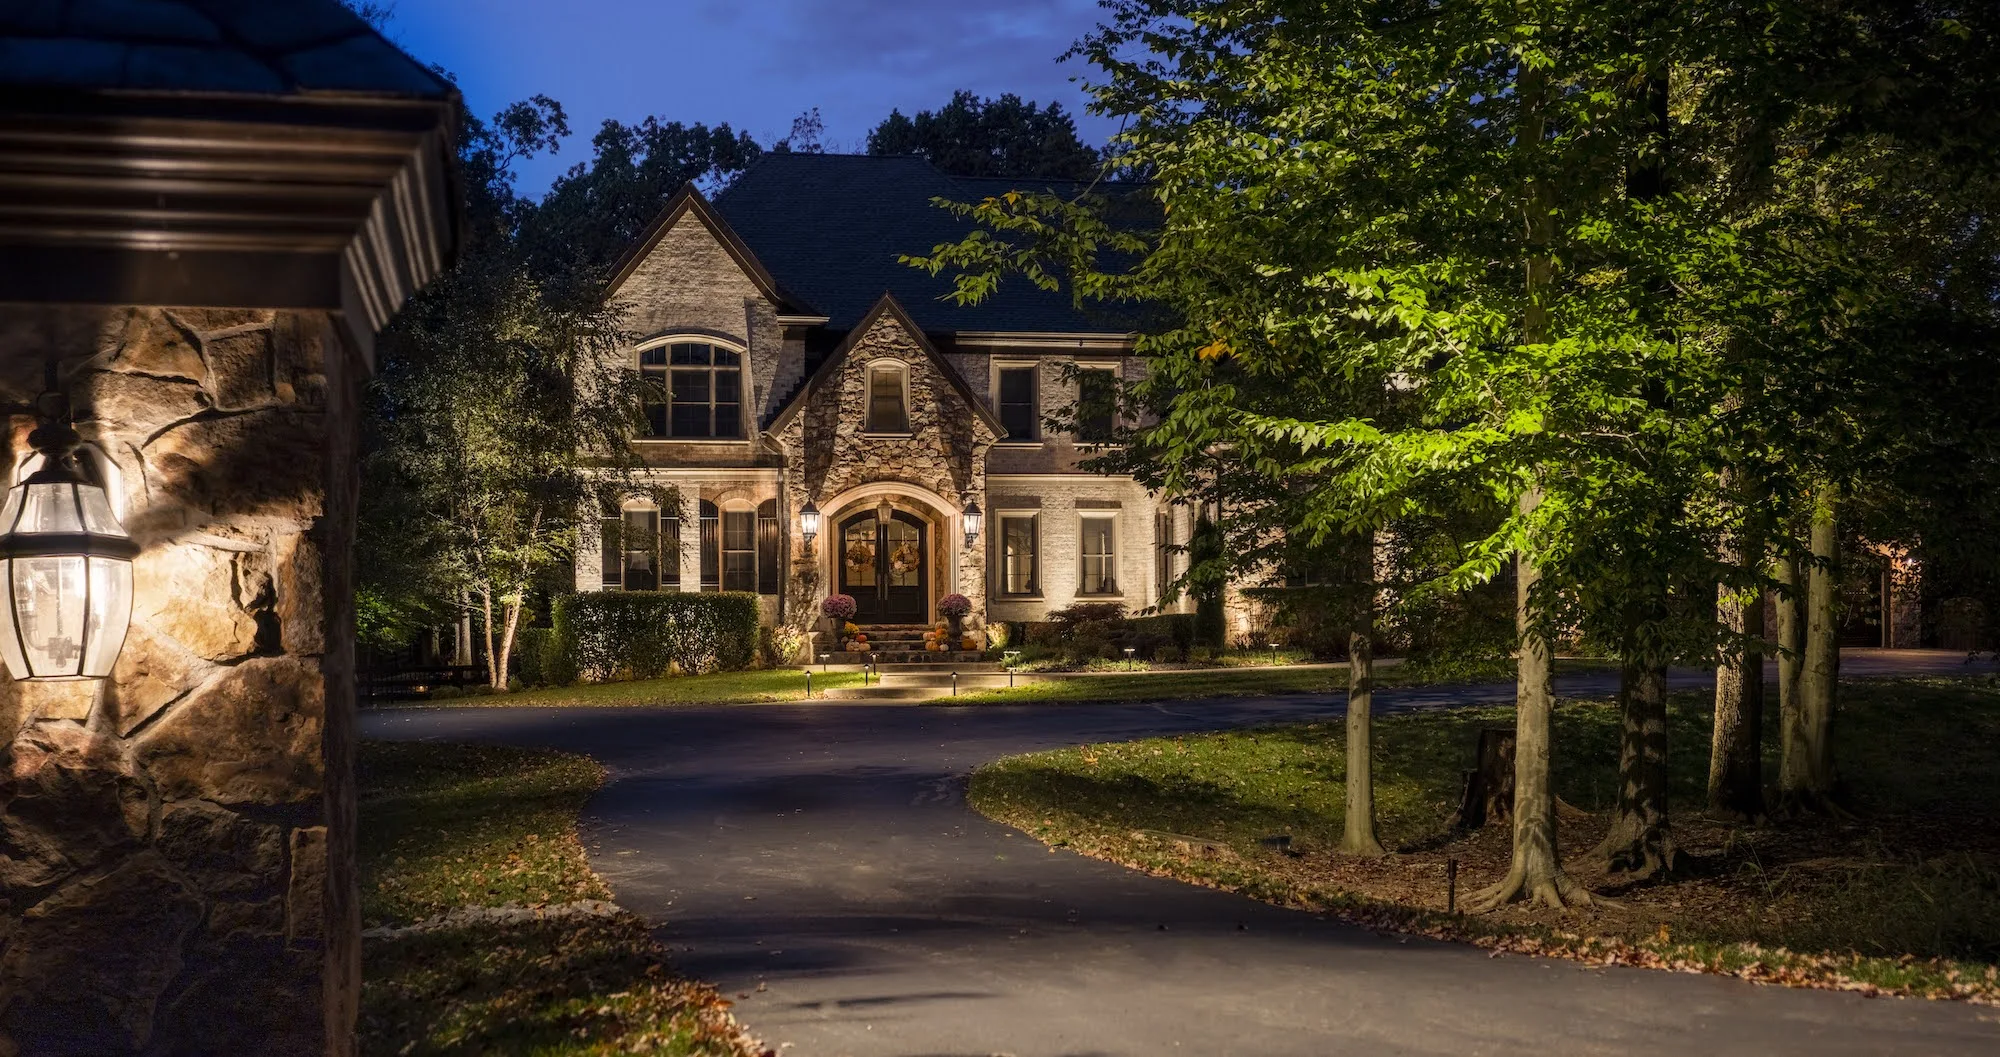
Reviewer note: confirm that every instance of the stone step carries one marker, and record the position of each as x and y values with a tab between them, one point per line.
947	667
888	657
941	681
882	693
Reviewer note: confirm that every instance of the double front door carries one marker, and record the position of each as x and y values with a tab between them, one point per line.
885	566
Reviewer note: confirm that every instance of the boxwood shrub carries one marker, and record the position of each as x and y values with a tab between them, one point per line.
612	635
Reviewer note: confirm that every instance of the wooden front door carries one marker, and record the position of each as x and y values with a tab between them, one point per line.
886	567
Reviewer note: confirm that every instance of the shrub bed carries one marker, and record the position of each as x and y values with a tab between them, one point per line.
644	635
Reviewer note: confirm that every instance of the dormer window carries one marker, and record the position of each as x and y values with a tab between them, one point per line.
693	389
888	406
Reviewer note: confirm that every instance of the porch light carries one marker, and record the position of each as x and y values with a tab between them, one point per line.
809	522
884	513
974	517
65	563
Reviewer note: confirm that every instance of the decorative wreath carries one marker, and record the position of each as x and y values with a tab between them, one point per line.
860	553
904	558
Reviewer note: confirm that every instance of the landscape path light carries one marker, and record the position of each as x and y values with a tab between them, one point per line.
65	563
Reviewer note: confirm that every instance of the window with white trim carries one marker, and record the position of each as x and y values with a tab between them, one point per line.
1097	556
888	409
739	550
1020	572
1016	403
1096	405
640	551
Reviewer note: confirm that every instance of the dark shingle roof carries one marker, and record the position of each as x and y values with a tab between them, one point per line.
253	47
829	228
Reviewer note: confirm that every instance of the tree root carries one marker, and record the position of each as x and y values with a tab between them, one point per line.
1550	888
1803	803
1371	849
1636	856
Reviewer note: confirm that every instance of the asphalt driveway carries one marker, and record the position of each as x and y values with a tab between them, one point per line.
820	861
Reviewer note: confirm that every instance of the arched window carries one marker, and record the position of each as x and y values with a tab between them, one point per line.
711	546
693	389
641	550
888	398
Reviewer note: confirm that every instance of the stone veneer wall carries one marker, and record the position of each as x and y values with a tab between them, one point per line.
175	841
945	453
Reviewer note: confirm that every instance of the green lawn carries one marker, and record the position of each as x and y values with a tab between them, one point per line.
449	827
720	688
1904	897
1244	681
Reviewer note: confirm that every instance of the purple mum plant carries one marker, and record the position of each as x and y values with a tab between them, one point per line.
839	607
955	606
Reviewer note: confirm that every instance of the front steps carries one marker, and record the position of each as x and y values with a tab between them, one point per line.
906	671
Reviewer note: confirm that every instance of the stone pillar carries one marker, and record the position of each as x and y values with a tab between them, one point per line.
176	842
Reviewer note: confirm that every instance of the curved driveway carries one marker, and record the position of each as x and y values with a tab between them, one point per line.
820	861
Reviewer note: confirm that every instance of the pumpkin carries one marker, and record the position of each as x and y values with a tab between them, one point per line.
969	644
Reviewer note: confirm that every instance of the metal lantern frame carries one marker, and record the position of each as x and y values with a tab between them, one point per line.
809	522
974	520
60	512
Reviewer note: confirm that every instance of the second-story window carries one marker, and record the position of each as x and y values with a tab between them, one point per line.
693	389
1096	405
1017	402
887	412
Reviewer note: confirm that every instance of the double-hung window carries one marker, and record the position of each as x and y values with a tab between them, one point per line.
693	389
640	551
1019	572
1099	556
739	550
1017	402
1163	554
887	410
1096	405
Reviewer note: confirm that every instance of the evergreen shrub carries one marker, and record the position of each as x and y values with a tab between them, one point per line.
612	635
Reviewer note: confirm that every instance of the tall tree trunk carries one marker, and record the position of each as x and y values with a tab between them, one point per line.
1358	835
1641	841
1536	872
512	623
1810	784
462	649
486	623
1791	669
1736	756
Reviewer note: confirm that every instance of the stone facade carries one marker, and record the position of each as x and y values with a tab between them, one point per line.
806	437
174	878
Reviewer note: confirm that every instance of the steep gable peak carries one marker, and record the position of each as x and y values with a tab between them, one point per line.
690	202
886	310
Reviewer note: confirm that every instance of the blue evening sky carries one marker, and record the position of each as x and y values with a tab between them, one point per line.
755	64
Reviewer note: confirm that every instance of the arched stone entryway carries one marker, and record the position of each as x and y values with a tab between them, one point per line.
916	519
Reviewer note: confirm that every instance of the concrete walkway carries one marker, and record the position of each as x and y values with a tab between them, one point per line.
822	863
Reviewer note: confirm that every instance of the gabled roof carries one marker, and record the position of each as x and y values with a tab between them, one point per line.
831	227
886	305
689	201
238	47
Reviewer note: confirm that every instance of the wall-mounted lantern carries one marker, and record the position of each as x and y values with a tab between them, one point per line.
974	517
65	564
884	513
809	522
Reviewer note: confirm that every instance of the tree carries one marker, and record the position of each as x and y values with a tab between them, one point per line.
500	412
594	213
971	136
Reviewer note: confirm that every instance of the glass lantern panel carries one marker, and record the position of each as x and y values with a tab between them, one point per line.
97	515
110	614
13	508
51	508
49	603
10	646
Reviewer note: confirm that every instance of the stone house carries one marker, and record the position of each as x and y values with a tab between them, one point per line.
801	367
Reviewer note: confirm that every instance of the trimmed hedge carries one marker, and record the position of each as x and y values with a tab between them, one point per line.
532	654
1177	628
611	635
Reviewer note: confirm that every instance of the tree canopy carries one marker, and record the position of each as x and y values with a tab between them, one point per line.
971	136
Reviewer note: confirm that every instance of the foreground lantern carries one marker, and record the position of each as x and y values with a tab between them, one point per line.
65	566
809	522
974	517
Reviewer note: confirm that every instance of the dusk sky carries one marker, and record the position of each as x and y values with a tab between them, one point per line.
755	64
